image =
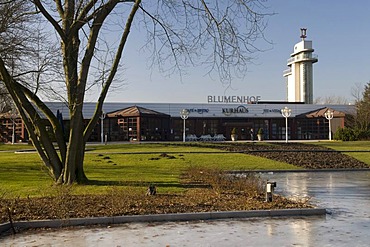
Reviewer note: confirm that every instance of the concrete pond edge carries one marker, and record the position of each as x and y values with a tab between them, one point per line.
22	225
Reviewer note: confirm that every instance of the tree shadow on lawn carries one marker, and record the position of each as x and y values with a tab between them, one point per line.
145	184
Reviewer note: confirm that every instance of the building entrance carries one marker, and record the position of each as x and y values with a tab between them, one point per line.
242	129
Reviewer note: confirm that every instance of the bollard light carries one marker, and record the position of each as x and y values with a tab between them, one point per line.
270	190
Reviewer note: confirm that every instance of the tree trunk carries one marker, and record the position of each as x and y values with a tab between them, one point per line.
74	171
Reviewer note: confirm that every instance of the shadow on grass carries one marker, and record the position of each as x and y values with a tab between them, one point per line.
145	184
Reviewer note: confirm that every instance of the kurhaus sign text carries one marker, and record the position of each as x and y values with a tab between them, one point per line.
233	99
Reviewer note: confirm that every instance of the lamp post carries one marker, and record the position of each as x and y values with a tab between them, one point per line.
184	113
102	127
13	132
13	116
286	112
329	114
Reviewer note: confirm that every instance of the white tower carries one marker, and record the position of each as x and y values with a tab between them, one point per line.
300	73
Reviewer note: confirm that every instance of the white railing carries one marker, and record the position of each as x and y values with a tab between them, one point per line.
287	71
302	57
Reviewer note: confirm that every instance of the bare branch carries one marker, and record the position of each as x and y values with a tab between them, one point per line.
50	18
113	70
217	35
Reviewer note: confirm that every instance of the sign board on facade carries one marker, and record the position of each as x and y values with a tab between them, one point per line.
234	99
235	110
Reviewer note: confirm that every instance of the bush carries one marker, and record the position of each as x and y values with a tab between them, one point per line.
362	134
346	134
221	182
349	134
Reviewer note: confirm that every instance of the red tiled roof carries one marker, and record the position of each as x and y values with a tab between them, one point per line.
135	111
321	113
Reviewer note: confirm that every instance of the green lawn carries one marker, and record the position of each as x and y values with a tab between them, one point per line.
346	146
22	174
136	165
13	147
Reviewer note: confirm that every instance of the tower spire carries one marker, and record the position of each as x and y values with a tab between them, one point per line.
303	33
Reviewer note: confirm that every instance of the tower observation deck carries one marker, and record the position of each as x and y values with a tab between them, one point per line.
299	75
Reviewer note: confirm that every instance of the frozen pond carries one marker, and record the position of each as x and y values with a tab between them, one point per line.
345	194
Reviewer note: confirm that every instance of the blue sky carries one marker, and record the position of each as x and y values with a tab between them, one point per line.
341	39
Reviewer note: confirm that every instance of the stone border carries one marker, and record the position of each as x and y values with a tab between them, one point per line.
7	227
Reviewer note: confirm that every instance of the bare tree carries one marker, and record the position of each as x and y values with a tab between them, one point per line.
356	91
331	100
217	34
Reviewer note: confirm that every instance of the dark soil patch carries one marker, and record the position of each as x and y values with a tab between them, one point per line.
126	203
299	154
